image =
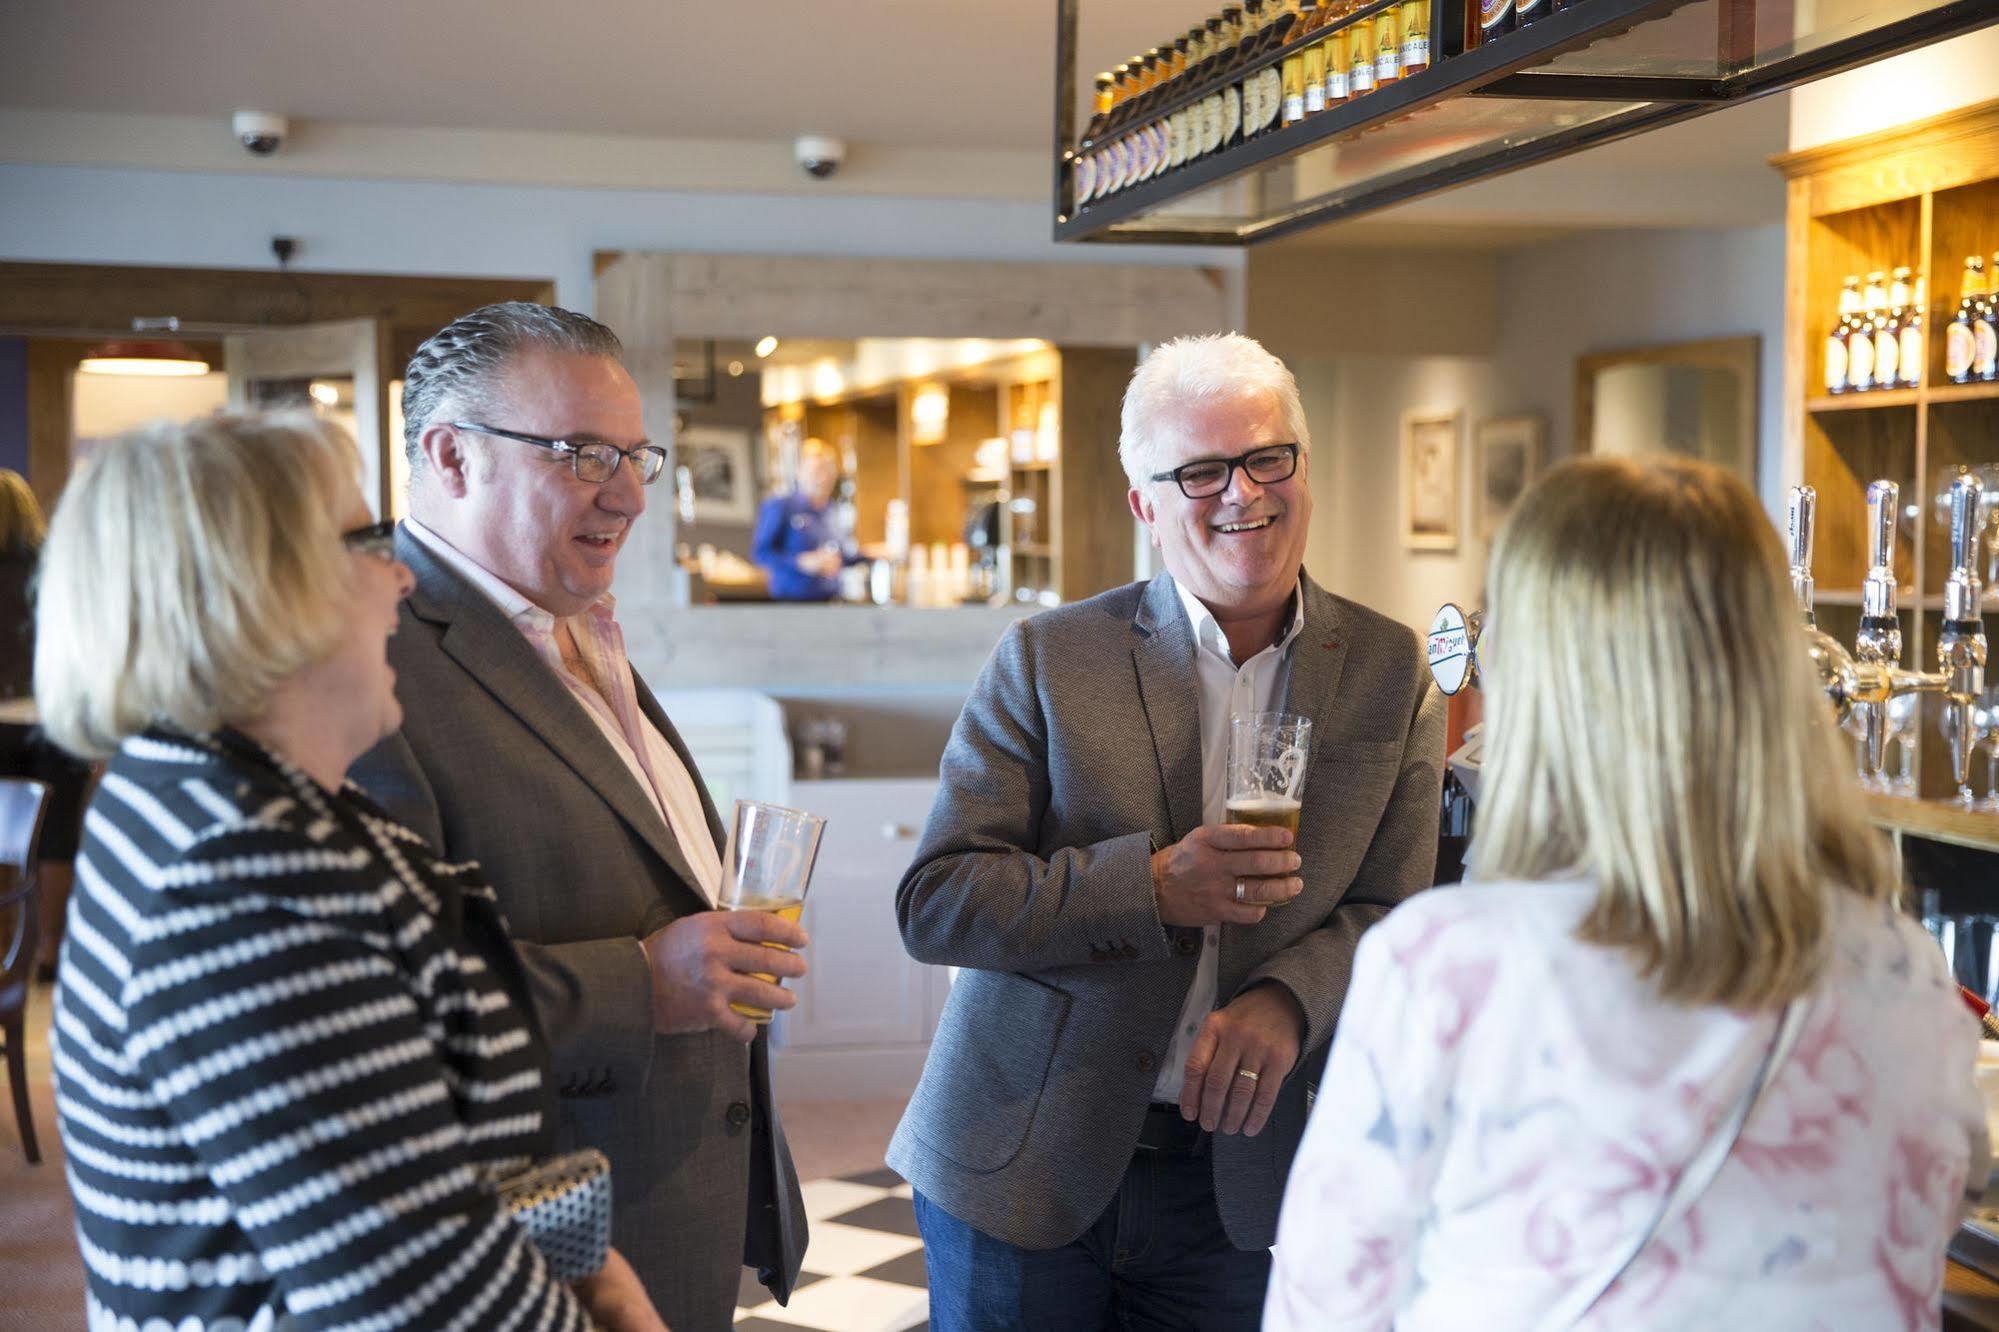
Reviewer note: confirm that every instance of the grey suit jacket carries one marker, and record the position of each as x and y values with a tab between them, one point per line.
1078	751
497	762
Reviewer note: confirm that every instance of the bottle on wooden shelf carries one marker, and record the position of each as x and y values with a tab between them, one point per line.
1887	330
1985	330
1836	378
1860	339
1960	339
1909	358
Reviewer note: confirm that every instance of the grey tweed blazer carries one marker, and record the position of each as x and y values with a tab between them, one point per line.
497	762
1078	752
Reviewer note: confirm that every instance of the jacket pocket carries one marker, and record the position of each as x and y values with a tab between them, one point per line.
988	1064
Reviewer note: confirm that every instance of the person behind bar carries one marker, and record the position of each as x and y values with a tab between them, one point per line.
291	1047
1675	901
530	744
796	538
1121	1075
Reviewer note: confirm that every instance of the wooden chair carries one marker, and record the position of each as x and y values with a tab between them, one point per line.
22	805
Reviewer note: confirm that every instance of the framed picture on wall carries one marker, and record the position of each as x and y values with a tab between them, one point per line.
716	483
1506	457
1430	499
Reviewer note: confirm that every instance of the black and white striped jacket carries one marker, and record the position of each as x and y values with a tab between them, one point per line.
290	1049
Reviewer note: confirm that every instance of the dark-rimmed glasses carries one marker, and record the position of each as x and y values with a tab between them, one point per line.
1267	464
592	460
376	540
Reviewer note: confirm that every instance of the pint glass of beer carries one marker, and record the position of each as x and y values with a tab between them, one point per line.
766	867
1268	752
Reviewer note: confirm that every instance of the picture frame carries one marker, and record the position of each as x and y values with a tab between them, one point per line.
1432	504
715	474
1506	457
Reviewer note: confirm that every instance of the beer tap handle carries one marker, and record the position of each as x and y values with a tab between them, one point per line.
1961	590
1801	512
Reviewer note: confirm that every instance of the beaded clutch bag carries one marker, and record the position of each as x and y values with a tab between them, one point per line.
564	1205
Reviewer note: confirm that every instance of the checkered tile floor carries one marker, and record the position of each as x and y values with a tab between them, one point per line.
863	1269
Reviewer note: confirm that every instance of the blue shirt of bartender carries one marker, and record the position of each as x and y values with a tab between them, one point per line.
791	526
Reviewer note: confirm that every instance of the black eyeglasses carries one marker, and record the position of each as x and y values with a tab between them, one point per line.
591	460
376	540
1266	465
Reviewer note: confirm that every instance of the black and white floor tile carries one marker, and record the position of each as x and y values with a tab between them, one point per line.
863	1269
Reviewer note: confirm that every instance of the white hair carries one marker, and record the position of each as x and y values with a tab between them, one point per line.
1212	367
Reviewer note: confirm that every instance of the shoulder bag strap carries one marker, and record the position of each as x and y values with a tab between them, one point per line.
1693	1181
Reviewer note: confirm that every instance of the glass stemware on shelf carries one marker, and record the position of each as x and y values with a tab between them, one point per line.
1985	729
1900	714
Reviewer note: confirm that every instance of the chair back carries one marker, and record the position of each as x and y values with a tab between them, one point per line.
22	806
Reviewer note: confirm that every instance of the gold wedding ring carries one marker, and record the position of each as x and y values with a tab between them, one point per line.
1245	1073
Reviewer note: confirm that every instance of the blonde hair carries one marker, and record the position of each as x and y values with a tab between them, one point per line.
189	569
1653	725
22	529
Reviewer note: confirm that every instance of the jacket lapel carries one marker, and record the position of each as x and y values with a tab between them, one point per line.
1169	691
1317	659
496	654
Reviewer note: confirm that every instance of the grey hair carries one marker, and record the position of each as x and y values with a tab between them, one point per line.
1211	367
457	368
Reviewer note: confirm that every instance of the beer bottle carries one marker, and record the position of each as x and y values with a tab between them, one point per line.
1231	89
1085	172
1959	341
1388	45
1910	356
1338	86
1360	57
1294	66
1249	82
1415	36
1526	11
1495	19
1835	343
1860	341
1314	15
1887	331
1985	330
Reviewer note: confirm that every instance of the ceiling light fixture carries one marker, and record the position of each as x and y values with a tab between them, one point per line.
134	356
765	346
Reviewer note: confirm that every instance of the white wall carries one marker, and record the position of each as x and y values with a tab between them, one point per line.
1918	85
1610	290
1589	292
108	215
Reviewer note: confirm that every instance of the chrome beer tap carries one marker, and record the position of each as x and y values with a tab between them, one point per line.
1961	640
1880	637
1801	513
1872	677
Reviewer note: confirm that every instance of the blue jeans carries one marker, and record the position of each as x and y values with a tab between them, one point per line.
1157	1258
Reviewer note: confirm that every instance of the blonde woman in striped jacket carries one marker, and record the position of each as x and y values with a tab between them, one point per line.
292	1049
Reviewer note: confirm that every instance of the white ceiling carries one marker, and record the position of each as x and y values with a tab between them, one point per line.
903	74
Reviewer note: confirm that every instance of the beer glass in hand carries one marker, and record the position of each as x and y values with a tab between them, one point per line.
766	867
1268	752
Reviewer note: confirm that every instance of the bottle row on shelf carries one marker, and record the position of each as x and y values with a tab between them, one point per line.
1877	342
1255	67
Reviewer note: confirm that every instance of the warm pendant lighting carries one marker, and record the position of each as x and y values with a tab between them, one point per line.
143	357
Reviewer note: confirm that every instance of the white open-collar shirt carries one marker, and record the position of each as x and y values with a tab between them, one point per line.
1257	685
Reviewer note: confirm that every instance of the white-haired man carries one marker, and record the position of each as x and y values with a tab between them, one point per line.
1123	1072
530	745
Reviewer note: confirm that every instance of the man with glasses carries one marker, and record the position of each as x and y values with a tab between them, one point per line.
531	745
1124	1067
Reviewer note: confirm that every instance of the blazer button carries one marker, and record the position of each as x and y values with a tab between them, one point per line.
737	1115
1144	1061
1187	944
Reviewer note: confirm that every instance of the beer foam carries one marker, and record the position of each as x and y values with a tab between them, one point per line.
1263	805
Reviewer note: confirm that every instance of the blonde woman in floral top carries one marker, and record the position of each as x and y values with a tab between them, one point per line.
1671	849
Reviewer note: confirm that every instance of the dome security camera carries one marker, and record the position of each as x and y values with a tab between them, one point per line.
820	155
260	132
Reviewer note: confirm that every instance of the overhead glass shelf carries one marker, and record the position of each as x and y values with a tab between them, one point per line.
1592	72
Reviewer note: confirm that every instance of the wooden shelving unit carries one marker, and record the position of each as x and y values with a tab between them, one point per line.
1926	196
